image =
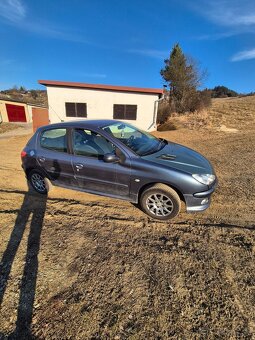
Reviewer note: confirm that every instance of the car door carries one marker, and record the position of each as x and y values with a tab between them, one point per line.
53	156
91	171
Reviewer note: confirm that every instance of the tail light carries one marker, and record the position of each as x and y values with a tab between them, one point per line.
23	154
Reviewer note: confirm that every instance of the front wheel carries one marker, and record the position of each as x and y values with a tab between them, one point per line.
38	182
160	202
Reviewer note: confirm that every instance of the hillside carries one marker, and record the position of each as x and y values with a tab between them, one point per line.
225	114
26	96
236	113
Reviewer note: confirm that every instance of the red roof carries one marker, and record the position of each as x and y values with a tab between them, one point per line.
100	86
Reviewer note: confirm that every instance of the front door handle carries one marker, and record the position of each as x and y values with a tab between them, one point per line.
79	166
41	159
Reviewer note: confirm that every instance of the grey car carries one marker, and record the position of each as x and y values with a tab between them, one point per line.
113	158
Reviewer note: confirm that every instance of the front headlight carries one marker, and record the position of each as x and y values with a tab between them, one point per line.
206	179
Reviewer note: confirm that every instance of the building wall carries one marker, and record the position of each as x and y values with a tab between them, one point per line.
30	114
4	114
3	111
100	104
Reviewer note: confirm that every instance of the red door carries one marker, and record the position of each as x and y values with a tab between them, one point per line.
16	113
40	117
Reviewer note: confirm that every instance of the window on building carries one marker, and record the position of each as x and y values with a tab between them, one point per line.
127	112
76	109
54	139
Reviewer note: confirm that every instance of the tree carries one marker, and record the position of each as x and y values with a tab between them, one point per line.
22	89
183	77
223	92
34	94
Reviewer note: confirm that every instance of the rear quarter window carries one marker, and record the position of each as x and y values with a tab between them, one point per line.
54	139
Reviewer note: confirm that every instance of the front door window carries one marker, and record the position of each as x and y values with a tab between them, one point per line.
91	144
91	171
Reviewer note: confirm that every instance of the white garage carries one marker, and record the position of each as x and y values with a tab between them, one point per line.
70	100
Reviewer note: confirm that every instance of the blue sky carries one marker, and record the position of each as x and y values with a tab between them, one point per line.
125	42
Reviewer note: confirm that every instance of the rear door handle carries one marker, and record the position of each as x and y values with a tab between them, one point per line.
41	159
79	166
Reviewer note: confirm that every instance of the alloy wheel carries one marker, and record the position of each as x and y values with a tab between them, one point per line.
159	205
38	182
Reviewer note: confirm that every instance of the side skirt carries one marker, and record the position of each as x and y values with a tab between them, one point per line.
124	198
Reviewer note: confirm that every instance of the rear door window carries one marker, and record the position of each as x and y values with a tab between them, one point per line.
54	139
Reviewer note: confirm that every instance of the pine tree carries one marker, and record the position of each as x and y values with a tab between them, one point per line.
183	79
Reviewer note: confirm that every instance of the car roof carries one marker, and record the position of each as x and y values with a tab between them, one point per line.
92	123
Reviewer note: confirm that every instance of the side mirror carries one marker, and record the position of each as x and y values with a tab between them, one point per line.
111	158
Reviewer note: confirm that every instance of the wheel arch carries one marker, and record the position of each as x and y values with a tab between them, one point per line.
29	169
148	185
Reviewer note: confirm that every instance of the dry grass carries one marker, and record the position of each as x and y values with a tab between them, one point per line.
80	266
193	120
231	112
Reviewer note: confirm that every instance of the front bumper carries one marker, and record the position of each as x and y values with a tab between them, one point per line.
199	201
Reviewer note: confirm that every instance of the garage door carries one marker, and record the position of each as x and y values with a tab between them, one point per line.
16	113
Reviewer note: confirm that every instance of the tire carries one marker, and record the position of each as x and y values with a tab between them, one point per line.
38	182
160	202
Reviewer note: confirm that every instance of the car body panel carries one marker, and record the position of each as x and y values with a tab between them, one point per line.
58	168
182	158
94	174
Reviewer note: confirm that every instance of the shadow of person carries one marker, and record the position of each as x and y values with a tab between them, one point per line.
34	206
56	170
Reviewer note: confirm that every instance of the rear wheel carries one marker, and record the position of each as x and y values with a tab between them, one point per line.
160	202
39	182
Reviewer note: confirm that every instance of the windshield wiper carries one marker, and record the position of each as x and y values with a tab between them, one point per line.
161	143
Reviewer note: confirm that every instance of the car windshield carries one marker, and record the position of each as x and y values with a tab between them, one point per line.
141	142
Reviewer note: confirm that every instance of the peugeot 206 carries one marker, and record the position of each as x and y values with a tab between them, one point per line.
113	158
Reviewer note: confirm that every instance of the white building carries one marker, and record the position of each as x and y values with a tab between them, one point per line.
69	101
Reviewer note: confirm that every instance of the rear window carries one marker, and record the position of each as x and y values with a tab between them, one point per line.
54	139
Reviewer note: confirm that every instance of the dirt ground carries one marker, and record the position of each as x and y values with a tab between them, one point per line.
79	266
5	127
14	129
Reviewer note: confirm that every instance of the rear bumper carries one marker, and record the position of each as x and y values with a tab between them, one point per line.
199	201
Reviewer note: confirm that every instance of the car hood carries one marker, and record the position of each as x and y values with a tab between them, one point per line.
179	157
